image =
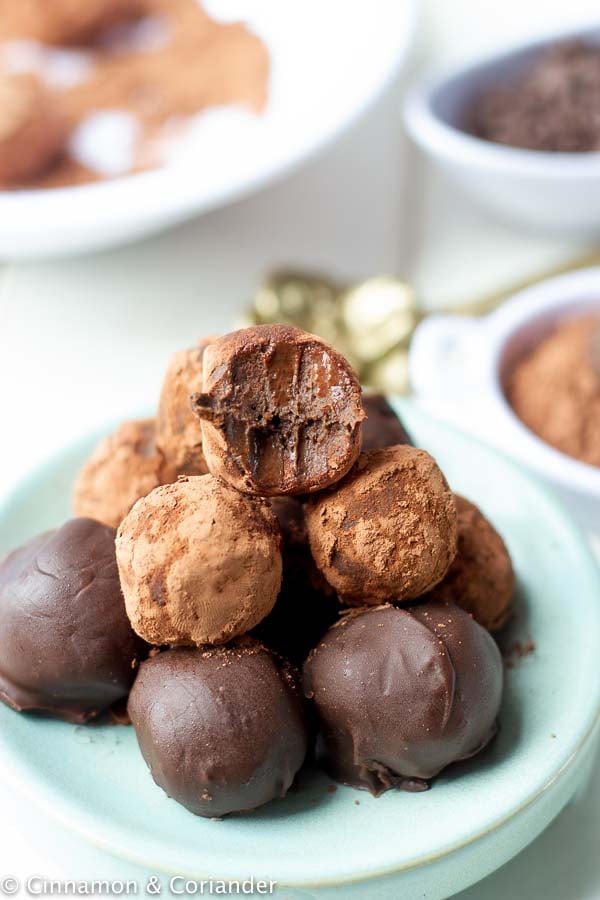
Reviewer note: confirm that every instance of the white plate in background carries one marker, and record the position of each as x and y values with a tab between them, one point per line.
328	61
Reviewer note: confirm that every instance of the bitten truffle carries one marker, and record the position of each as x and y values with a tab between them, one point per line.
306	606
382	427
481	579
199	562
66	645
555	389
32	132
280	409
221	729
402	693
65	21
388	531
178	431
124	467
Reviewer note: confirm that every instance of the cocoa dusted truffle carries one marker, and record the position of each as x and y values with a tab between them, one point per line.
306	606
32	132
65	21
199	562
388	531
481	579
66	645
221	729
178	431
382	427
402	693
280	409
124	467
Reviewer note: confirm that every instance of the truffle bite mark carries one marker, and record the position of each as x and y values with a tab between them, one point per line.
280	410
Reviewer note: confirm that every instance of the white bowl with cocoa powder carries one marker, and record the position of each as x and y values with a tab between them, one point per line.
542	190
326	63
460	367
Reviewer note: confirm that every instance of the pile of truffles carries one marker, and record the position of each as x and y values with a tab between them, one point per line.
255	541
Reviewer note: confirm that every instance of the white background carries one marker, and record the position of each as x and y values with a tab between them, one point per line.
84	342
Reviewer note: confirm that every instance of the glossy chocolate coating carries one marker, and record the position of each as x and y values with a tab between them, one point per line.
66	645
382	427
222	729
402	693
280	409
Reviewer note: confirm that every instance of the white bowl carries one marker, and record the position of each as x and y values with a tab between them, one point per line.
322	77
457	367
551	192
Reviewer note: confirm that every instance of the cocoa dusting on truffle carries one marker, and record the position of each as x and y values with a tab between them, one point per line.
280	409
553	106
555	389
124	467
199	562
33	132
432	662
240	709
388	530
481	579
178	431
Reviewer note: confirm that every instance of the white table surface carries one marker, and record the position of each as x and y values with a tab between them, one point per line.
85	341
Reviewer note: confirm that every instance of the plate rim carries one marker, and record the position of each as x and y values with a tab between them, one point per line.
45	798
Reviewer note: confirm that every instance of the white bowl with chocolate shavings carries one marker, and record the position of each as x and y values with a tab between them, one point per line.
526	378
158	110
519	131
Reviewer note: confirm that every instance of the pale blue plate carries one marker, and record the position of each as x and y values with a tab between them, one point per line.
321	843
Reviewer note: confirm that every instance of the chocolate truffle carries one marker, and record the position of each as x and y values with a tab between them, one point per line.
481	579
402	693
382	427
222	729
306	606
555	389
281	411
124	467
388	531
66	645
178	431
32	132
199	562
66	21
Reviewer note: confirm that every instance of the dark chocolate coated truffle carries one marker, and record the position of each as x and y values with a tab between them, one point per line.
66	645
382	427
280	409
402	693
222	729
